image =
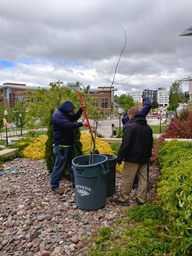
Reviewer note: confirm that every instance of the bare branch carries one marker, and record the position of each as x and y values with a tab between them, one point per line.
121	53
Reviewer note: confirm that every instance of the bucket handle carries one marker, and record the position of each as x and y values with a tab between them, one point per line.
105	169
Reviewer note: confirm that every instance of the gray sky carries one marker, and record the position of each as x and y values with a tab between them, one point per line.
42	41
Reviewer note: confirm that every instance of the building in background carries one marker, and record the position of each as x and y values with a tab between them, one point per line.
151	94
161	95
188	32
103	96
13	92
136	95
73	86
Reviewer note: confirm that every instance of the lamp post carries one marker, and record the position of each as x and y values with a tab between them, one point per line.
160	120
5	115
20	116
120	112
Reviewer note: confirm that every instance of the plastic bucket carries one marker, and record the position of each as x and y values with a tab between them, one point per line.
90	181
111	175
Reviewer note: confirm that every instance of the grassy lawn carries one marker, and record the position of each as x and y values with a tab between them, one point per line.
156	128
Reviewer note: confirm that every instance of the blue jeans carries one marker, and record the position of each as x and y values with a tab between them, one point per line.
63	159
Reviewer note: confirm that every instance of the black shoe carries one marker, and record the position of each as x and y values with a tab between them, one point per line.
117	201
138	202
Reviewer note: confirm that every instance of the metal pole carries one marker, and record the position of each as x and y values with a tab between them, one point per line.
6	136
160	122
119	124
21	124
5	115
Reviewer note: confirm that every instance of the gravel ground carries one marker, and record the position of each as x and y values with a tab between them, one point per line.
35	221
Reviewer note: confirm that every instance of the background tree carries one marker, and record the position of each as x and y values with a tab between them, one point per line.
154	104
1	116
42	100
15	113
125	101
175	96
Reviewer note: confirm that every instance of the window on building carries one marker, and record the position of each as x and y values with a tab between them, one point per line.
104	103
10	100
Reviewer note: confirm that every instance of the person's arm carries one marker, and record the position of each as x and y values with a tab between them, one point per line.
146	108
77	115
126	140
125	118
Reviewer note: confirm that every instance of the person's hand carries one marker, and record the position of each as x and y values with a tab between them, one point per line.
85	123
82	106
143	95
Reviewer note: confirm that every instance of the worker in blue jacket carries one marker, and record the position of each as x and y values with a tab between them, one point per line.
64	122
146	106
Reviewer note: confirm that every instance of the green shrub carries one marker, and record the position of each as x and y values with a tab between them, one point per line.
115	147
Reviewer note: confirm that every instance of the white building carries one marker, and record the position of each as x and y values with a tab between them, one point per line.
136	95
162	96
161	93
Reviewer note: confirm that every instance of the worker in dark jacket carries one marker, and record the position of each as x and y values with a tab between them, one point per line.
63	126
146	106
135	151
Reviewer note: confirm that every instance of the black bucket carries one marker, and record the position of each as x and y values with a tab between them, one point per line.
111	175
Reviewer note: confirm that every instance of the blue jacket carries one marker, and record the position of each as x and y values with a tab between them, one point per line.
143	112
63	124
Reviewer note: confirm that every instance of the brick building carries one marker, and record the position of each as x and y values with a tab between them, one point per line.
103	96
13	92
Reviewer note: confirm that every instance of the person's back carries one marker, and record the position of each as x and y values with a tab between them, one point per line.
137	140
135	151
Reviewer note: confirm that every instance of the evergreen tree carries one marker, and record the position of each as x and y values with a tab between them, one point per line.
49	155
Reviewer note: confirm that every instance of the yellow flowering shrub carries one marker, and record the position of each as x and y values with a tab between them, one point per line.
102	146
36	149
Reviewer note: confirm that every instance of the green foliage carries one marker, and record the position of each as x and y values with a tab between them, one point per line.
104	234
78	144
154	104
162	229
175	192
146	212
126	101
42	100
175	96
49	155
115	147
141	233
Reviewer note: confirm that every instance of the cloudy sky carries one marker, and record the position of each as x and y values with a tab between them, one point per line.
43	41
